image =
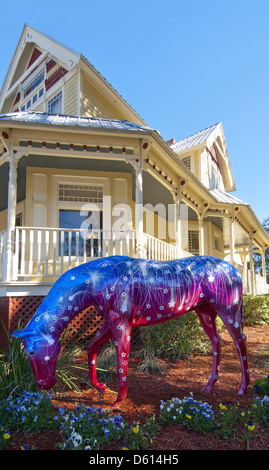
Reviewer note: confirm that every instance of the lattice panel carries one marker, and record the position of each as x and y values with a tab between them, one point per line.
21	310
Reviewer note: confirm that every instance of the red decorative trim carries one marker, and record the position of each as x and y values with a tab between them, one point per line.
34	57
55	77
17	99
50	65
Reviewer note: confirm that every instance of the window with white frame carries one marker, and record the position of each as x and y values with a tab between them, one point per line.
55	104
33	90
71	198
193	236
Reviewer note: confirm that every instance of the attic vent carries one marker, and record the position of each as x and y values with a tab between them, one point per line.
187	162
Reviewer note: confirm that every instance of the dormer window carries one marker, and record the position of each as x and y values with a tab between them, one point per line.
33	90
34	83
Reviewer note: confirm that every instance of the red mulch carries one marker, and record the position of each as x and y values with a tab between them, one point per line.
182	378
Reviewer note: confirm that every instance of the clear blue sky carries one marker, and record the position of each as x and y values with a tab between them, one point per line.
182	66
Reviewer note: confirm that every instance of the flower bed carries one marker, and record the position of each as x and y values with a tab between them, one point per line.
199	421
88	428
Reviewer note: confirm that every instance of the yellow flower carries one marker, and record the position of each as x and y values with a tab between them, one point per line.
124	448
250	427
222	406
188	416
243	413
135	429
6	435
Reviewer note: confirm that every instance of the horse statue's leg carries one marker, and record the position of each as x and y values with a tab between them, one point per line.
103	335
207	317
232	320
121	331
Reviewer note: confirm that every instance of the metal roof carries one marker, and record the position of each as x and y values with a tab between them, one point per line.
194	140
65	120
227	198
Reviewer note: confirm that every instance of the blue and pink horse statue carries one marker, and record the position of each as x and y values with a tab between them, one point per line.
130	292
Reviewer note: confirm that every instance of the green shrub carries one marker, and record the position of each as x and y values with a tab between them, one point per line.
16	374
178	338
262	386
256	310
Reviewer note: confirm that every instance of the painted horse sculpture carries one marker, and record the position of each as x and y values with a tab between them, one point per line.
131	292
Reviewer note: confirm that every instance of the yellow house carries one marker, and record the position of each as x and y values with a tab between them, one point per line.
83	176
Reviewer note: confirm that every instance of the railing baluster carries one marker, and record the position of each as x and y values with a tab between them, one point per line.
105	242
16	254
77	247
31	249
69	248
62	250
99	238
127	243
120	243
84	248
92	252
54	250
38	252
113	243
47	237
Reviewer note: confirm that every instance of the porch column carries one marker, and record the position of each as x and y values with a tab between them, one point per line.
177	219
244	273
139	211
201	235
264	271
232	242
11	215
252	274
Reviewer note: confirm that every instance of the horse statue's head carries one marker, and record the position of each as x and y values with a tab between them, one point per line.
42	351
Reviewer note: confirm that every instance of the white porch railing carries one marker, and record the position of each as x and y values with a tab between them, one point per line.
3	239
259	283
51	251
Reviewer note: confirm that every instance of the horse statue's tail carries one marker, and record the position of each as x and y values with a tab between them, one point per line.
240	315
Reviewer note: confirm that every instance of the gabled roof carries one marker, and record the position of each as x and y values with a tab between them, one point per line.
194	140
211	138
66	57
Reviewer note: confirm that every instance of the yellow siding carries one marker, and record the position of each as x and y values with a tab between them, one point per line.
71	96
3	220
154	225
95	105
196	163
